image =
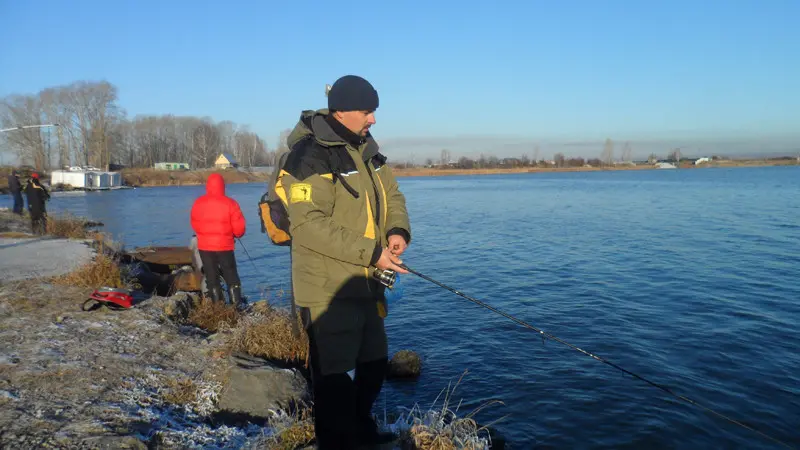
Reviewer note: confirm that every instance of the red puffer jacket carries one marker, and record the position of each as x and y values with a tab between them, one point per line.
216	218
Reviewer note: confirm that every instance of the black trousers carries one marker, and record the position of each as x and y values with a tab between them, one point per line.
18	205
219	263
342	404
38	222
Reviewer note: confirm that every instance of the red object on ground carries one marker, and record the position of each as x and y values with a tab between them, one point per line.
111	298
216	218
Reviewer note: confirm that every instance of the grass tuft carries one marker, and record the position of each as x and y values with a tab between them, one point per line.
213	316
440	428
291	431
103	271
267	333
180	392
69	226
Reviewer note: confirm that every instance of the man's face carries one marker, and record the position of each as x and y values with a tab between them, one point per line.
356	121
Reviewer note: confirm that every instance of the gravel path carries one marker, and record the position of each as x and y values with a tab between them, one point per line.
35	257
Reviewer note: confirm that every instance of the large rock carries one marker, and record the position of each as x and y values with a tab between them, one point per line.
176	307
404	364
254	387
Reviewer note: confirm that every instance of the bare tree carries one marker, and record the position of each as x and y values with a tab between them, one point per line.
445	157
26	143
608	152
626	152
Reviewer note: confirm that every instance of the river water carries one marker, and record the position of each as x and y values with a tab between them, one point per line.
686	277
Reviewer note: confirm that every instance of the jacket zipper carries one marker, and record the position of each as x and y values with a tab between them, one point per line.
377	196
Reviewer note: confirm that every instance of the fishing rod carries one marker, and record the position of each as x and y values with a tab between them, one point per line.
248	254
544	335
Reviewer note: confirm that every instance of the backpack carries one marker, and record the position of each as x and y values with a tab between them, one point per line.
272	207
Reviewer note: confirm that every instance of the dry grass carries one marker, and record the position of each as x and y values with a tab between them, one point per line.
442	429
292	431
213	316
103	271
267	333
152	177
25	296
69	226
180	392
15	235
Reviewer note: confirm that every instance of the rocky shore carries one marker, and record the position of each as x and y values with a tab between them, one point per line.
171	372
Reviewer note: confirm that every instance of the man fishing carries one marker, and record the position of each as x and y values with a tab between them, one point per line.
216	220
15	188
348	218
37	197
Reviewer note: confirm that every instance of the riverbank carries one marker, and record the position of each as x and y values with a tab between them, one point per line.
171	372
152	177
435	172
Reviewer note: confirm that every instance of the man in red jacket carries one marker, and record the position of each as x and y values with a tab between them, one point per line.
217	219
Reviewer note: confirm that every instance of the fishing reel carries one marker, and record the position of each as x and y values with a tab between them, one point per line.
385	277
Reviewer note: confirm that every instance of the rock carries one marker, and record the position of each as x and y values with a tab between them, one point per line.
114	442
254	387
404	364
177	307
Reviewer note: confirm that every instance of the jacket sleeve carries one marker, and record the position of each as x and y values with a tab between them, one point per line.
238	224
310	206
397	214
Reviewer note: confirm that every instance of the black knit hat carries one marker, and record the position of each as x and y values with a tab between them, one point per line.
352	93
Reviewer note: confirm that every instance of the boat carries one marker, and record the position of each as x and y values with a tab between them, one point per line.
163	270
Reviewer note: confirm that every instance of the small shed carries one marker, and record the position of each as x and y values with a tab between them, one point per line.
225	161
171	166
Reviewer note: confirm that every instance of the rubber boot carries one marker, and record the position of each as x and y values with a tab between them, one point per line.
335	412
369	381
216	294
235	294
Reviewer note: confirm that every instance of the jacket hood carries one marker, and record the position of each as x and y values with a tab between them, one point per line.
215	185
313	123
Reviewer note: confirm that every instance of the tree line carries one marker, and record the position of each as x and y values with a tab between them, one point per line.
606	158
93	130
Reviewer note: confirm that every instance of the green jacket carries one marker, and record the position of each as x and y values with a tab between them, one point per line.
343	202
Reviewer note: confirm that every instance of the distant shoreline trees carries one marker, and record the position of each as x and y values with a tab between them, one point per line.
93	130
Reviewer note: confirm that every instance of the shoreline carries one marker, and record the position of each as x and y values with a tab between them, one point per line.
432	172
169	372
139	178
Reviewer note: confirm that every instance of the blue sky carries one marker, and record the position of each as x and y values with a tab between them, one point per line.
467	76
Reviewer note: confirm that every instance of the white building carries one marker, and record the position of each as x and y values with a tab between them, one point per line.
86	179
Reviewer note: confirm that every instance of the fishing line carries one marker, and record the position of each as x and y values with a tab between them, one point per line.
544	334
248	255
259	272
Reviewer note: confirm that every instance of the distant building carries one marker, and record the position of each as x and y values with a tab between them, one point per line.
171	166
86	179
225	161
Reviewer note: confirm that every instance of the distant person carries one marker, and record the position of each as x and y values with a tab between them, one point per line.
217	220
348	217
15	188
37	197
